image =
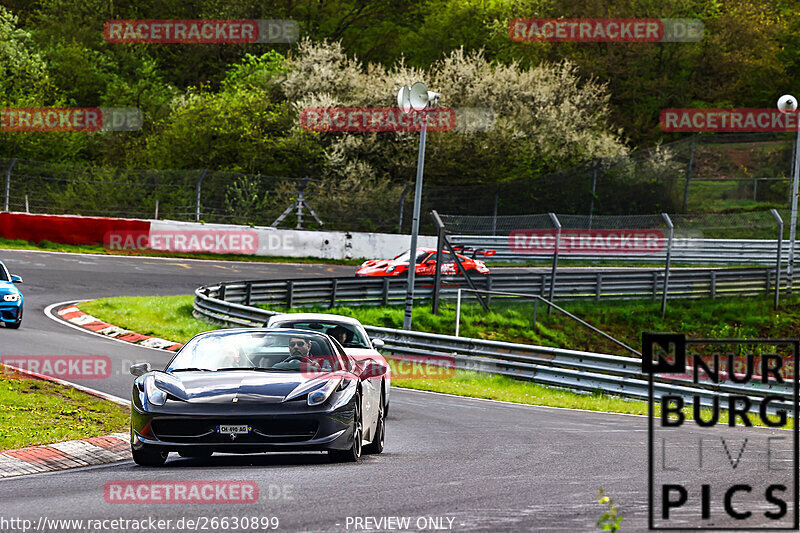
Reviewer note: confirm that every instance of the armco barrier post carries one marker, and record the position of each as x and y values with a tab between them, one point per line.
458	310
437	277
199	185
779	220
671	227
8	183
557	225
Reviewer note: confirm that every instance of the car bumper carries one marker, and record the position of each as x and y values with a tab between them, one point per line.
9	311
320	430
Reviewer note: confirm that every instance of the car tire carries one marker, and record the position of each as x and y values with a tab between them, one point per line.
18	323
145	456
376	446
352	454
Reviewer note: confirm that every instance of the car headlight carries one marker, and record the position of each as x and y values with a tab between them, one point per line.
320	395
391	268
11	297
155	395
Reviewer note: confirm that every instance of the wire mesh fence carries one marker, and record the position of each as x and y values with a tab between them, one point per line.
703	173
748	225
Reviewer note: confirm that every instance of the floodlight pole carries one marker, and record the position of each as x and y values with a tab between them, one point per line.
793	221
412	263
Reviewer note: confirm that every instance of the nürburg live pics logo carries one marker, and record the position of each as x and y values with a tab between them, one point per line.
710	467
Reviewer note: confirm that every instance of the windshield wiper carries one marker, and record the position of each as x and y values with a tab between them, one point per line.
191	370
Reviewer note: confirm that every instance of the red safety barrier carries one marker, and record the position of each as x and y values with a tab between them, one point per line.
65	229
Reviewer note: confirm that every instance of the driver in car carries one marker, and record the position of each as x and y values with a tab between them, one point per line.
299	352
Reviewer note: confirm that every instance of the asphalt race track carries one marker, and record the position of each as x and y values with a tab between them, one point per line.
487	466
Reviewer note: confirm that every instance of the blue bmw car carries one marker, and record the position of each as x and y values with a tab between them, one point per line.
10	299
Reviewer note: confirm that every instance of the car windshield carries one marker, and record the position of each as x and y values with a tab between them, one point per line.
348	335
265	351
4	276
421	254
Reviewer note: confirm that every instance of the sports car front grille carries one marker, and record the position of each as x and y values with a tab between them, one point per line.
203	430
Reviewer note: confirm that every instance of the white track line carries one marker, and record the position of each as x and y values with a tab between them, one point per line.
173	259
550	406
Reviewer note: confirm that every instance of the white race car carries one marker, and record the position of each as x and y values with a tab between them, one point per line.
345	330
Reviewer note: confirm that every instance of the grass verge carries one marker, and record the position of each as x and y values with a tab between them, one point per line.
494	387
167	317
34	412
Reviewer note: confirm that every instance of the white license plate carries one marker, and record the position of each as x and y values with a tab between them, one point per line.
233	430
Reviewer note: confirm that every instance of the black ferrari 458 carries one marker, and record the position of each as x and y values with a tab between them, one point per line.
258	390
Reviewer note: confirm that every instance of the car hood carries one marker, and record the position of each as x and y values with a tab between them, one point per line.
6	287
248	387
382	264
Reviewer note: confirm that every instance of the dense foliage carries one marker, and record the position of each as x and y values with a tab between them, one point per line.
234	107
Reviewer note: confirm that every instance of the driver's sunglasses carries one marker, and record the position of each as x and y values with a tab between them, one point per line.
292	344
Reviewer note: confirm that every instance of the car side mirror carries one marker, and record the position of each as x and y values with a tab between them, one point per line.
15	279
378	343
140	369
373	369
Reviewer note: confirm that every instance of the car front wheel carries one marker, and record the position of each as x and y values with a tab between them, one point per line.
145	456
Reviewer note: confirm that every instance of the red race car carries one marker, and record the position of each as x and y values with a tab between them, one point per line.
426	263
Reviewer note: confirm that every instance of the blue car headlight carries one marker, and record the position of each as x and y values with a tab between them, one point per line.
11	297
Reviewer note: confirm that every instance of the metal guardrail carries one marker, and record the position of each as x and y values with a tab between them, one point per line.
574	284
684	251
577	370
